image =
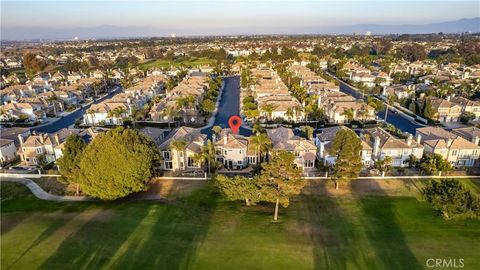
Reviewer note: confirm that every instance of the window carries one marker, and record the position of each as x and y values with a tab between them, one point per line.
168	165
308	164
240	162
191	162
296	153
180	154
166	154
454	152
225	152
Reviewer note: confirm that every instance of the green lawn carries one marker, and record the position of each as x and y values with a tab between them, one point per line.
202	231
192	62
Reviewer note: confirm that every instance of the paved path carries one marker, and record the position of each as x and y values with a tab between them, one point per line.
43	195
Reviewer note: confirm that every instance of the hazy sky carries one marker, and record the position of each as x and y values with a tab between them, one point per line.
223	14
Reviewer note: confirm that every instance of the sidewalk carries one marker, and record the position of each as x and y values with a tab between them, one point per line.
43	195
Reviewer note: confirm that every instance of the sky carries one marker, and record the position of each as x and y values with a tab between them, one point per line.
221	16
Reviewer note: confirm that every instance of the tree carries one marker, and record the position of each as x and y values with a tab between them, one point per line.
170	112
261	143
451	199
427	109
33	64
280	179
239	188
384	164
467	117
346	147
268	109
308	132
68	163
431	164
118	163
208	106
207	156
216	129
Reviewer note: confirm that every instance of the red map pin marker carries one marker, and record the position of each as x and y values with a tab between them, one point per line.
235	122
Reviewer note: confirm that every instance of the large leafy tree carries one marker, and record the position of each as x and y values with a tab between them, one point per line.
346	147
280	179
239	188
69	162
117	163
451	199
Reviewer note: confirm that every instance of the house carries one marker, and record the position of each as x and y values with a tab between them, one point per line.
400	91
8	151
106	113
384	144
324	141
304	150
445	111
468	133
37	149
234	151
181	159
155	134
467	105
457	150
31	111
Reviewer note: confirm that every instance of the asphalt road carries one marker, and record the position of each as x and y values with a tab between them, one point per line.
229	106
394	118
70	119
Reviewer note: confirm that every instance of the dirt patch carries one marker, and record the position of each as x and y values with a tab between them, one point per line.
52	185
171	188
374	187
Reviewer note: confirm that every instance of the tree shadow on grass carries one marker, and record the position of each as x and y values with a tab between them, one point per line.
331	231
95	242
384	233
173	235
139	235
54	226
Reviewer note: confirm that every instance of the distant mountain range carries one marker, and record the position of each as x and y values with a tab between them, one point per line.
109	31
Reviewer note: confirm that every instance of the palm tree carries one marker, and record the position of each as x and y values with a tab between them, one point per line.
348	114
179	145
116	112
268	109
290	113
262	144
206	156
185	102
170	112
53	99
4	113
91	112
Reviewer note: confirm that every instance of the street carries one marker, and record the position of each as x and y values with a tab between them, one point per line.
229	106
70	119
394	118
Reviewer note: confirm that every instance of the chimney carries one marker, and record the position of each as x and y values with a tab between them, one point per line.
57	139
20	139
476	140
419	138
409	140
42	139
376	146
449	142
448	98
225	138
